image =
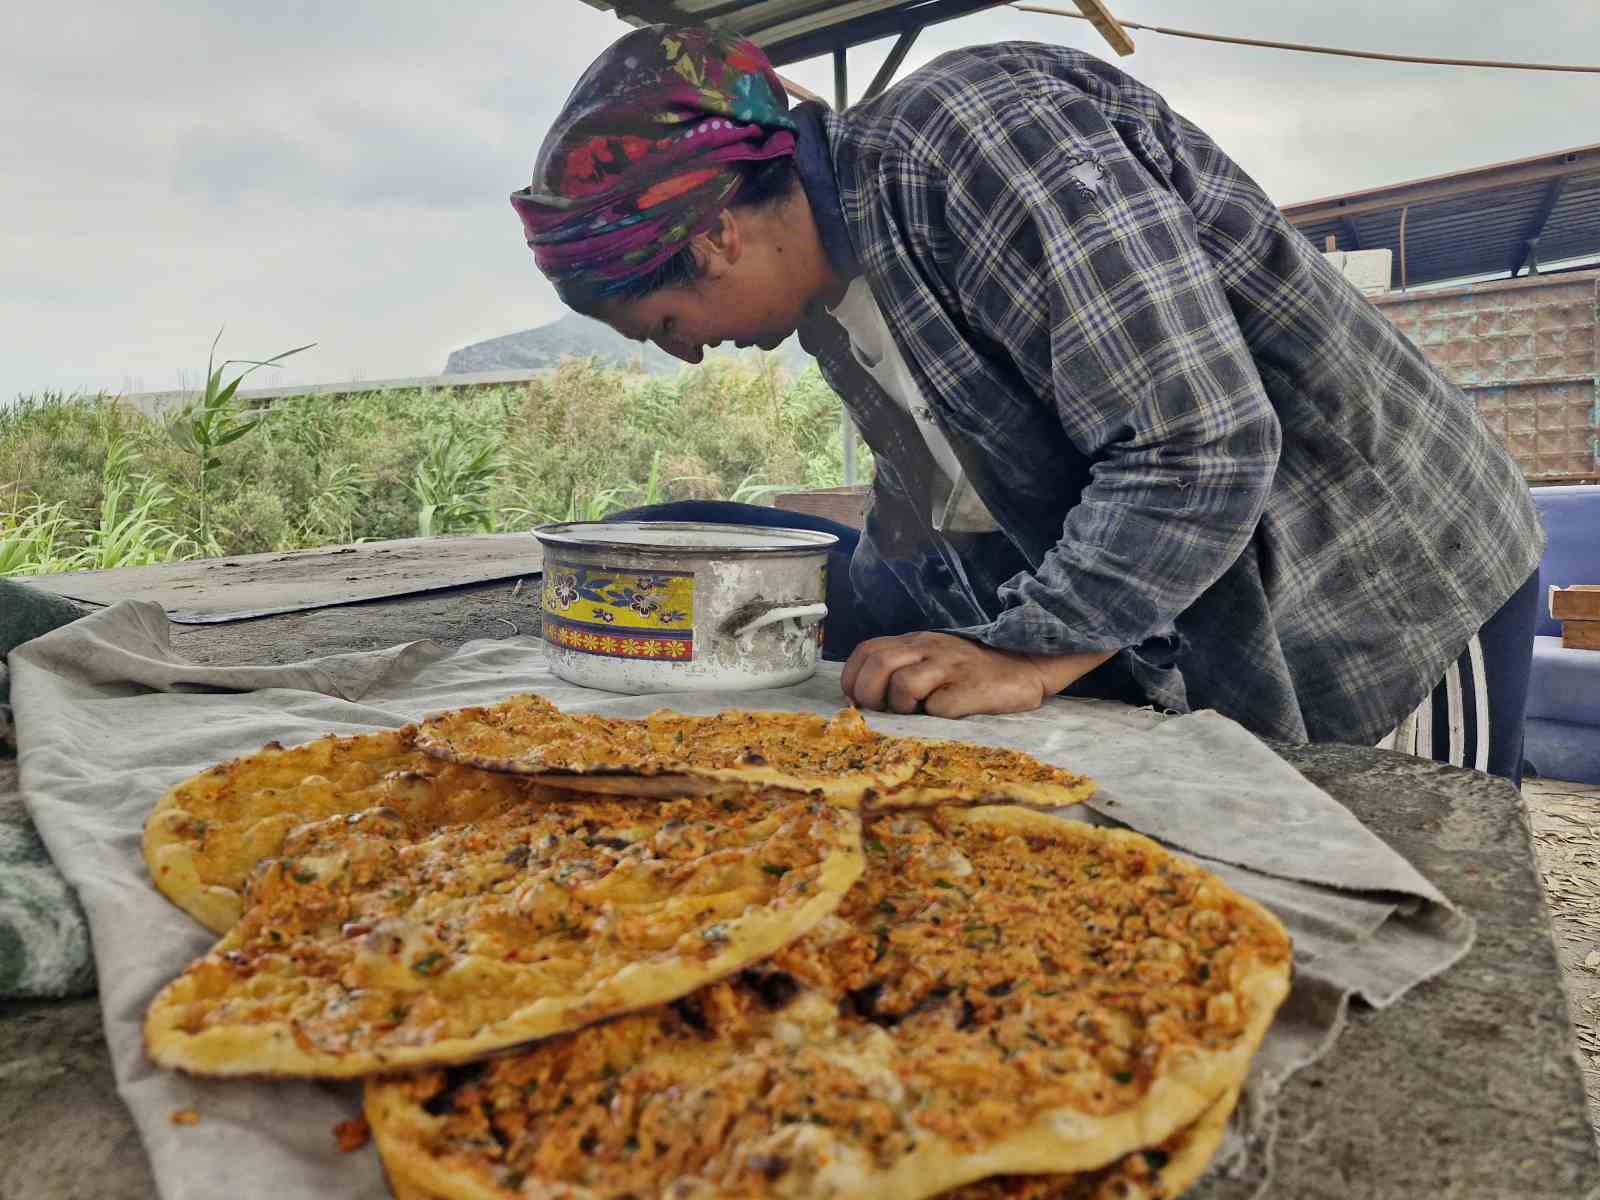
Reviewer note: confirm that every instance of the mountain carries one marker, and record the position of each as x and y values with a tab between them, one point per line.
580	337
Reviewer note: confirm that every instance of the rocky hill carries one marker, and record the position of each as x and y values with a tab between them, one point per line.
580	337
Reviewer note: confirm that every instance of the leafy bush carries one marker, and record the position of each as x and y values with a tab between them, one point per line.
87	481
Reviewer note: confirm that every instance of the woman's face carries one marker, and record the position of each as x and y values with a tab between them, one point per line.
688	319
754	288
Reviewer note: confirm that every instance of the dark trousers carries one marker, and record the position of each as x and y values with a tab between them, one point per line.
1506	638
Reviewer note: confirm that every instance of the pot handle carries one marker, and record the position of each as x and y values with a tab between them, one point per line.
802	614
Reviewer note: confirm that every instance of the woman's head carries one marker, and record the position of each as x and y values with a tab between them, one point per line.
662	199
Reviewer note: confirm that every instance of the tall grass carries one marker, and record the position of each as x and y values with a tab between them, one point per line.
87	482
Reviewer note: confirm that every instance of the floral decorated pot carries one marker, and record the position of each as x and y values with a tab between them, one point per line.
660	606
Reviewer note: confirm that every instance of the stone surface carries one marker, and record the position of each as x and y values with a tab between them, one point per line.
1566	840
449	618
1468	1089
67	1135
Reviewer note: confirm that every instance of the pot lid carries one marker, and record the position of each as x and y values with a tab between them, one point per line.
684	537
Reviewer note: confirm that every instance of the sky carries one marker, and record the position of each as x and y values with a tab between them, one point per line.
338	173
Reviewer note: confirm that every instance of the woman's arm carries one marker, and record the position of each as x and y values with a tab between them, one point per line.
1065	245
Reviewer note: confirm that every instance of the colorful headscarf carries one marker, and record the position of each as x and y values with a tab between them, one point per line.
641	158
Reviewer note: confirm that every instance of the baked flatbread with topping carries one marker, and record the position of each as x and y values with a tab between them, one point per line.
672	754
966	773
380	939
208	833
1003	992
1161	1172
841	758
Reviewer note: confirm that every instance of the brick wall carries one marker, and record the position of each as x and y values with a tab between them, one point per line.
1527	351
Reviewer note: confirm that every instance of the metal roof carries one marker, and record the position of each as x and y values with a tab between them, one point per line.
792	30
1499	219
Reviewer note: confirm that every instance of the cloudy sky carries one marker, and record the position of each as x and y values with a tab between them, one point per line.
338	173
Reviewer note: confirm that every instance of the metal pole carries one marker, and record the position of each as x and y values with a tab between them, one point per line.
847	430
892	62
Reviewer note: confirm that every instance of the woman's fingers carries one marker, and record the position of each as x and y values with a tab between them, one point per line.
875	664
852	666
965	696
911	685
948	676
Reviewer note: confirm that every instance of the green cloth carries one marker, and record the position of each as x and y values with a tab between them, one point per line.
44	940
26	613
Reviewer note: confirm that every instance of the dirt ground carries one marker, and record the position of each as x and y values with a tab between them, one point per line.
1566	837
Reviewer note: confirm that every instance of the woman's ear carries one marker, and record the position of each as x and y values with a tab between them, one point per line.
719	247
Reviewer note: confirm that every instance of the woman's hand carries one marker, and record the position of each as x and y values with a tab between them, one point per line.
948	676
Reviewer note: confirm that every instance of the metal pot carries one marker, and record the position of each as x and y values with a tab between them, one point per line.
680	606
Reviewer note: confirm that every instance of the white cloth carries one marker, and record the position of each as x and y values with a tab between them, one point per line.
1462	694
109	718
956	507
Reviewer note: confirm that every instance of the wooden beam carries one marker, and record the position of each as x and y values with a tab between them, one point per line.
1106	25
892	63
1526	249
798	91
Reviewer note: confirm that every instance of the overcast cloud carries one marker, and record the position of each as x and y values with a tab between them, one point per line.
338	173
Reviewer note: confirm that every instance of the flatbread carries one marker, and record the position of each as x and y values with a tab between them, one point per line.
207	834
965	773
381	940
671	754
1003	992
841	758
1161	1172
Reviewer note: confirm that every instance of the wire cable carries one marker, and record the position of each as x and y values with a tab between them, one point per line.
1310	49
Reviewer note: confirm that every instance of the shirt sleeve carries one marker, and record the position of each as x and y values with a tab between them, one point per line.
1064	245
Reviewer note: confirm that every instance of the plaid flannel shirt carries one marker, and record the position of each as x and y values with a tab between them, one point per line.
1203	447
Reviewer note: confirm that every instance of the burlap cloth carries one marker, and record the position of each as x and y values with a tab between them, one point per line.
109	718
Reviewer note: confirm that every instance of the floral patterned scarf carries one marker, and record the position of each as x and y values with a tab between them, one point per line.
641	158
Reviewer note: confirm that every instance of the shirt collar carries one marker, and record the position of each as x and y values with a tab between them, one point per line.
815	164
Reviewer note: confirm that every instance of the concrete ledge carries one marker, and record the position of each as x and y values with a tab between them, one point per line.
158	402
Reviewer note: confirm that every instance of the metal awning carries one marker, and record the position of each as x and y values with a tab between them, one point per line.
1500	219
792	30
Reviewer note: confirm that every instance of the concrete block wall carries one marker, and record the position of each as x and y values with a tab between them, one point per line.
1527	351
1369	270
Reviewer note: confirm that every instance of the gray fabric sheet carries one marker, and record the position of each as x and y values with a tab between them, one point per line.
110	718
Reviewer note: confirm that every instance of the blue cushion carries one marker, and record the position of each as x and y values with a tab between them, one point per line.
1563	750
1564	684
1571	516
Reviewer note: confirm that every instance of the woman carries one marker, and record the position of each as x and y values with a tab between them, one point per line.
1126	420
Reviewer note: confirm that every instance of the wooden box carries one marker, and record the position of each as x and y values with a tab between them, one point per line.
1578	610
847	505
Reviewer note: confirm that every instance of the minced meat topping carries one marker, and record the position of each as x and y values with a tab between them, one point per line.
980	975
